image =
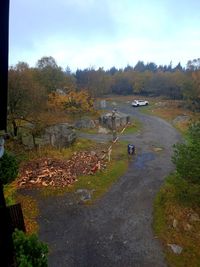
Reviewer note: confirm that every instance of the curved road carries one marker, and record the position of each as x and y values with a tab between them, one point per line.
116	231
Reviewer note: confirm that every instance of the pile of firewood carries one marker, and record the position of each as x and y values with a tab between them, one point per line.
56	172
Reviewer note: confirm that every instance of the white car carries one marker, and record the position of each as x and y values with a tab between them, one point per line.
137	103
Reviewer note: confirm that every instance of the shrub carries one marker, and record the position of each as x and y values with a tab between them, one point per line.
8	168
186	193
186	156
186	159
29	251
194	132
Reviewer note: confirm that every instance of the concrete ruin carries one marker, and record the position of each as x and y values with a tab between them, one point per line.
120	119
59	135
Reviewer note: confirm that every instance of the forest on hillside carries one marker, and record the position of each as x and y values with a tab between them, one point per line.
145	79
47	87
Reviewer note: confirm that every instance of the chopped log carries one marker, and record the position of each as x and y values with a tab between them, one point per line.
55	172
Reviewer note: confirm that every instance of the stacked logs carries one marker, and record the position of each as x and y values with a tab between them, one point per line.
61	173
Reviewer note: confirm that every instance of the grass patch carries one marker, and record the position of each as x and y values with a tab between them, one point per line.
101	181
117	98
134	127
176	202
48	151
89	131
30	212
10	193
169	110
166	109
29	206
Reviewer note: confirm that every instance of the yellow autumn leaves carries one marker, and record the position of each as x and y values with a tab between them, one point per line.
72	102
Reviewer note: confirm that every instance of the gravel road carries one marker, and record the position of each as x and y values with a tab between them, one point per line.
117	230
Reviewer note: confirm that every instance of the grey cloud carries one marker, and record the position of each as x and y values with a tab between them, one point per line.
35	20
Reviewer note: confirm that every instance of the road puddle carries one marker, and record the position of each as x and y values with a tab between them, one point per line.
142	159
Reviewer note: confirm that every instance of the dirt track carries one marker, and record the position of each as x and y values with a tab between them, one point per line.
116	231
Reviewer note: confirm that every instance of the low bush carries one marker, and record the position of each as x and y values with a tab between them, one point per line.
186	156
186	193
8	168
29	251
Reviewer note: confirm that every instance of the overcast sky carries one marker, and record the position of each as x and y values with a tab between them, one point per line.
104	33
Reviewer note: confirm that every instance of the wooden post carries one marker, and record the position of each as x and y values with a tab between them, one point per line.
113	120
109	153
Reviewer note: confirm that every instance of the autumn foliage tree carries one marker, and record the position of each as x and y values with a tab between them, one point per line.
79	102
49	74
26	97
56	101
71	103
47	87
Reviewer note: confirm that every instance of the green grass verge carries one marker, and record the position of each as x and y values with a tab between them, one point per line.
101	181
10	193
28	204
134	127
175	203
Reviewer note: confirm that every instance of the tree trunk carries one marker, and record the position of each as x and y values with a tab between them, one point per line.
15	128
34	143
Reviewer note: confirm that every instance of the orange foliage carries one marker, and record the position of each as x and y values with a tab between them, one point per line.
56	101
73	102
